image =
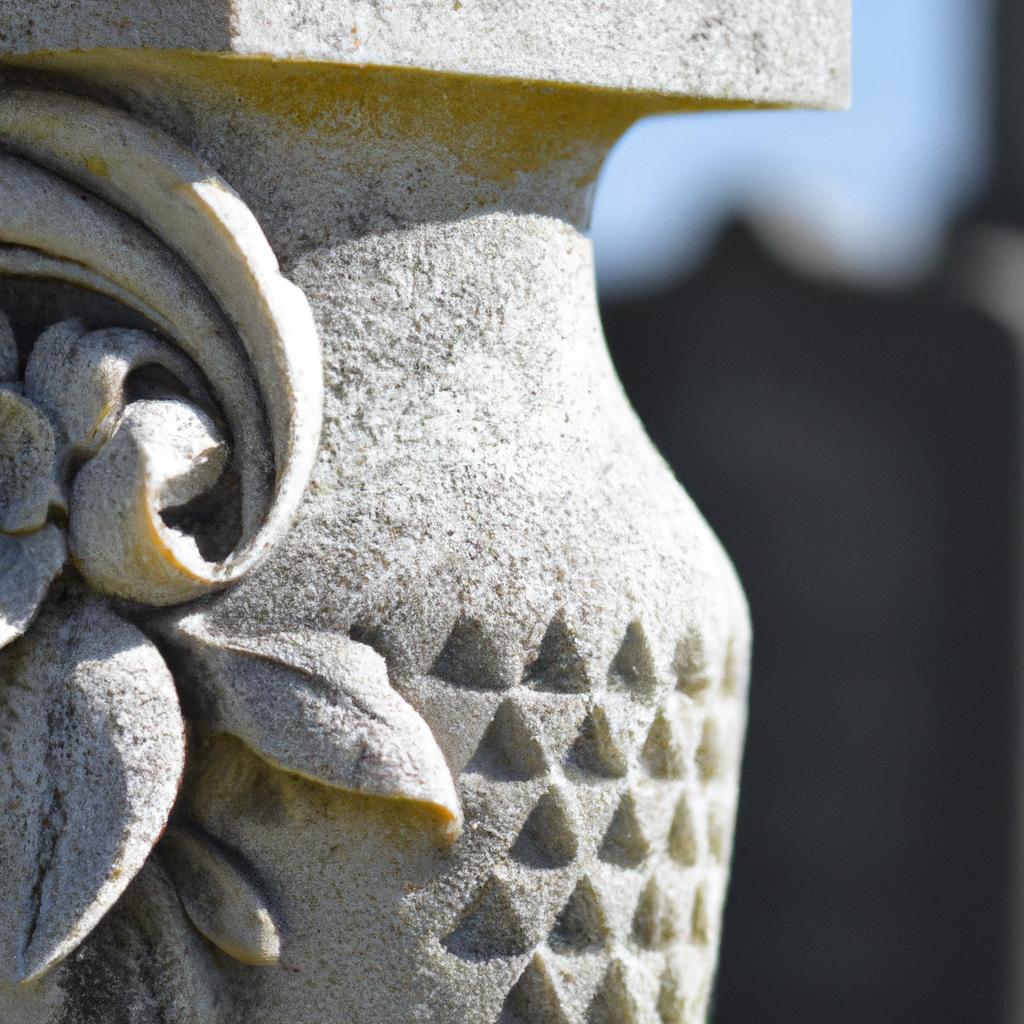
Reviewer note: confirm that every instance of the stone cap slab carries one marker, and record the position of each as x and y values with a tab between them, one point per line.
786	52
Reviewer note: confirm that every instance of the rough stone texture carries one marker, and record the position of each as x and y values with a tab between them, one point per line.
767	51
85	695
465	744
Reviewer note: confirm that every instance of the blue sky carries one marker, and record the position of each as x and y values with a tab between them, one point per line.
873	186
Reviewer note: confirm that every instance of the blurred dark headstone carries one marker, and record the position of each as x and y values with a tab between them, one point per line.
1004	202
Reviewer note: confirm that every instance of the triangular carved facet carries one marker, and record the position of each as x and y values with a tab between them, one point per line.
624	843
734	673
491	927
510	751
559	666
595	750
671	1005
682	835
692	673
633	666
719	836
470	659
700	924
709	753
534	998
613	1003
654	921
582	924
548	839
662	755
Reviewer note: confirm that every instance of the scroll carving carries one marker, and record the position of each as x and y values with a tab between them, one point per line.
162	233
142	469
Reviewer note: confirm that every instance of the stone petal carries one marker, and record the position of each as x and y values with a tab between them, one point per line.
8	351
28	565
91	754
223	903
79	378
162	455
28	461
319	705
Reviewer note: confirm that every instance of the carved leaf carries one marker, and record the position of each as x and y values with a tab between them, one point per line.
321	706
220	900
28	565
149	938
91	754
28	460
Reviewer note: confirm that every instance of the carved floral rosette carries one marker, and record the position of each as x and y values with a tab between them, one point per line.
142	469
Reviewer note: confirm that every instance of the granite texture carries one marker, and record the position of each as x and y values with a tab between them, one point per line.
765	51
341	484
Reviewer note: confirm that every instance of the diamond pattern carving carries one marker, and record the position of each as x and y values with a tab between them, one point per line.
571	895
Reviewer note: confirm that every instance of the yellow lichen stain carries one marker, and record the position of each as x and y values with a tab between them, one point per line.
152	553
98	166
98	428
224	770
496	127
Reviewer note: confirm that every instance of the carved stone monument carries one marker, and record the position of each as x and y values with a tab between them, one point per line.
361	660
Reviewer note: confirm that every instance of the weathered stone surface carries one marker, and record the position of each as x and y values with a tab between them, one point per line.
767	51
28	565
92	752
489	580
476	598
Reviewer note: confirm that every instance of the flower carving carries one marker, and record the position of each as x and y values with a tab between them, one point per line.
142	470
92	746
71	437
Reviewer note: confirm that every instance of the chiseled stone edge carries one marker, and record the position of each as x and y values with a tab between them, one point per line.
794	52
